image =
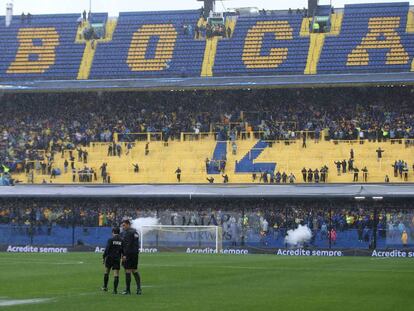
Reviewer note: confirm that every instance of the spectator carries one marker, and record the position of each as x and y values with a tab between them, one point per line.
304	174
332	236
379	153
178	174
365	174
147	148
404	238
356	174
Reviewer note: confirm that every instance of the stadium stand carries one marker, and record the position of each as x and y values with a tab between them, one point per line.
255	47
247	223
373	38
161	162
205	133
151	44
97	18
104	31
218	159
250	163
358	134
358	39
42	48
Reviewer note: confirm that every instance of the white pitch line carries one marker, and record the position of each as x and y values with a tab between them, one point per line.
44	263
14	261
15	302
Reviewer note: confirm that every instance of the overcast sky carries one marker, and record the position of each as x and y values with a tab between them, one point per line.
113	7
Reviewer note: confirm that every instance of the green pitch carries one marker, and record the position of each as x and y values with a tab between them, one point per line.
210	282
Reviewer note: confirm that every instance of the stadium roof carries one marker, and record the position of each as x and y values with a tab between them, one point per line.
367	191
280	81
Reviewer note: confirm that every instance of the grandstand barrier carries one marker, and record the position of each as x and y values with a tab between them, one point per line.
198	136
192	136
147	136
408	142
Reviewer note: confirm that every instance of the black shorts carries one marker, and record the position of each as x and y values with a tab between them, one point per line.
131	262
111	263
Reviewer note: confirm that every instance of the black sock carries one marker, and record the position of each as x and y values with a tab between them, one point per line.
137	280
106	278
128	281
116	282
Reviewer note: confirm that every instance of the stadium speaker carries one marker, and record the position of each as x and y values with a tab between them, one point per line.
312	5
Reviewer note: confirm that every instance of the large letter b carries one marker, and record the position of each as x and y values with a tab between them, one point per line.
36	52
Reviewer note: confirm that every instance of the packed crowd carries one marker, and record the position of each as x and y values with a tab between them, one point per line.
31	124
238	218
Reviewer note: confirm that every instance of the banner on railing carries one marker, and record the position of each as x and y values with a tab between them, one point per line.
298	252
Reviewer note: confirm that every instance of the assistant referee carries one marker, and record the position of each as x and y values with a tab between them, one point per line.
130	256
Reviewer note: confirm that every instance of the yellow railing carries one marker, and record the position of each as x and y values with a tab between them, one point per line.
146	136
243	135
202	136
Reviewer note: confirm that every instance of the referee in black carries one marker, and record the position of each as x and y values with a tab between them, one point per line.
130	256
112	259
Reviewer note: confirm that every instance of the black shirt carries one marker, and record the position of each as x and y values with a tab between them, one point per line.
130	241
114	248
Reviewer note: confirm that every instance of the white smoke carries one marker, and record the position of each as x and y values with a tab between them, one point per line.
298	236
140	224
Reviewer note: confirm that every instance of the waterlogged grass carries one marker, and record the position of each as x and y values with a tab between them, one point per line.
200	282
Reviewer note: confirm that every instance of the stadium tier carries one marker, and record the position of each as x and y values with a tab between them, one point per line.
261	136
358	38
253	157
372	38
150	43
245	223
45	48
263	45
